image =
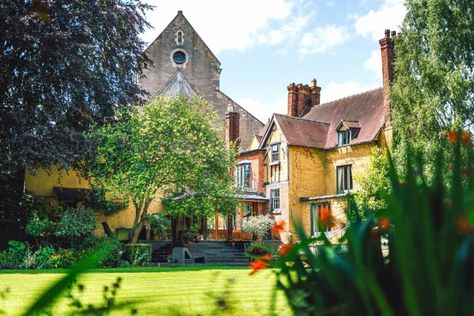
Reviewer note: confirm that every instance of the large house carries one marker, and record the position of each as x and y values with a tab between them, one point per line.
303	162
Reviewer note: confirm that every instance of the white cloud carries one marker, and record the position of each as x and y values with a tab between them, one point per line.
388	16
337	90
374	63
261	109
323	38
228	24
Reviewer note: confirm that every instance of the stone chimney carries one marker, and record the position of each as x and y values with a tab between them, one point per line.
386	48
301	98
232	126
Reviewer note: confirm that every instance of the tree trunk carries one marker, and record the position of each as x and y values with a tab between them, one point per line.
137	231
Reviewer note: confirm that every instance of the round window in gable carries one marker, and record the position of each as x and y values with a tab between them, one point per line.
179	57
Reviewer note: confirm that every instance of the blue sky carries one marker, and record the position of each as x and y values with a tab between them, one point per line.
264	45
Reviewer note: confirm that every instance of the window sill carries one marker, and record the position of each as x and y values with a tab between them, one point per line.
274	163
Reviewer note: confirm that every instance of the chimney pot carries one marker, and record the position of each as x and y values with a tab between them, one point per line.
394	33
387	32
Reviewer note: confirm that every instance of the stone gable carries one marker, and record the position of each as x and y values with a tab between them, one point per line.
201	69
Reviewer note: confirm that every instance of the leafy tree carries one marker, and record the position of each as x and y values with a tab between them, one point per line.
65	66
433	90
170	147
371	198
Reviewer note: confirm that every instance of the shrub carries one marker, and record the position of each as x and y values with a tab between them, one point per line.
258	226
39	227
44	258
159	223
14	256
76	223
138	254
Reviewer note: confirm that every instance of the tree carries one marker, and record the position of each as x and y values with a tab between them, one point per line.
371	198
170	147
433	90
65	66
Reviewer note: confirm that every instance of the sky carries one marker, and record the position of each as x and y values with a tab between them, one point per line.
264	45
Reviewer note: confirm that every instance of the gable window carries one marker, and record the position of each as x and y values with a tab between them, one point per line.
275	152
243	175
344	179
179	38
344	137
179	57
274	200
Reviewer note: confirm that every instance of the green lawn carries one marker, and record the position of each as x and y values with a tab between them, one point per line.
154	291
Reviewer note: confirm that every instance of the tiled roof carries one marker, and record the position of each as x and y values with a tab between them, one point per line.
367	109
302	132
317	128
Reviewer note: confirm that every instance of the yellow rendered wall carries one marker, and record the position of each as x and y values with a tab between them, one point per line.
42	182
308	168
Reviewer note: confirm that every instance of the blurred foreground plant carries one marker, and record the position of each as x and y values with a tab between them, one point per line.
427	268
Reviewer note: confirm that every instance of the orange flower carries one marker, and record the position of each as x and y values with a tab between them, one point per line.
466	138
384	224
266	257
283	250
258	265
280	225
325	217
464	226
452	136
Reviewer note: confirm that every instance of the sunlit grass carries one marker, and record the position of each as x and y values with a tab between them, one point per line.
154	291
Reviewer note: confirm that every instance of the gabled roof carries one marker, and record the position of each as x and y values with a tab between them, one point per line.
177	85
298	131
178	16
366	110
318	128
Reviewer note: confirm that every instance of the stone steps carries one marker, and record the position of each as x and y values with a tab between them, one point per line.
215	252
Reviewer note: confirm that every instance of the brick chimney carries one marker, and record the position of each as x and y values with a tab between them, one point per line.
386	48
232	120
301	98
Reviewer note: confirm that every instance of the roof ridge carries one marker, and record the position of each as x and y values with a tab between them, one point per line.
349	96
301	118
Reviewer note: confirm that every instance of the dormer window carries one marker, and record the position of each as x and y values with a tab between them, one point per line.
275	152
344	137
346	132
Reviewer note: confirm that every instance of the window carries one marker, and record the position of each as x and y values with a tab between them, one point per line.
243	175
274	200
315	213
275	152
179	57
247	209
179	38
344	137
344	179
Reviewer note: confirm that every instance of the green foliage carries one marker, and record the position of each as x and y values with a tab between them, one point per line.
39	227
14	256
426	268
434	87
171	145
98	201
159	223
138	254
375	186
82	75
76	223
54	292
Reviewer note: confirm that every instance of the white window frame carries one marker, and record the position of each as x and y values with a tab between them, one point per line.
344	182
274	200
274	152
344	137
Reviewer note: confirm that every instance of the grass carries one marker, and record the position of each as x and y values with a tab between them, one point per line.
153	291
